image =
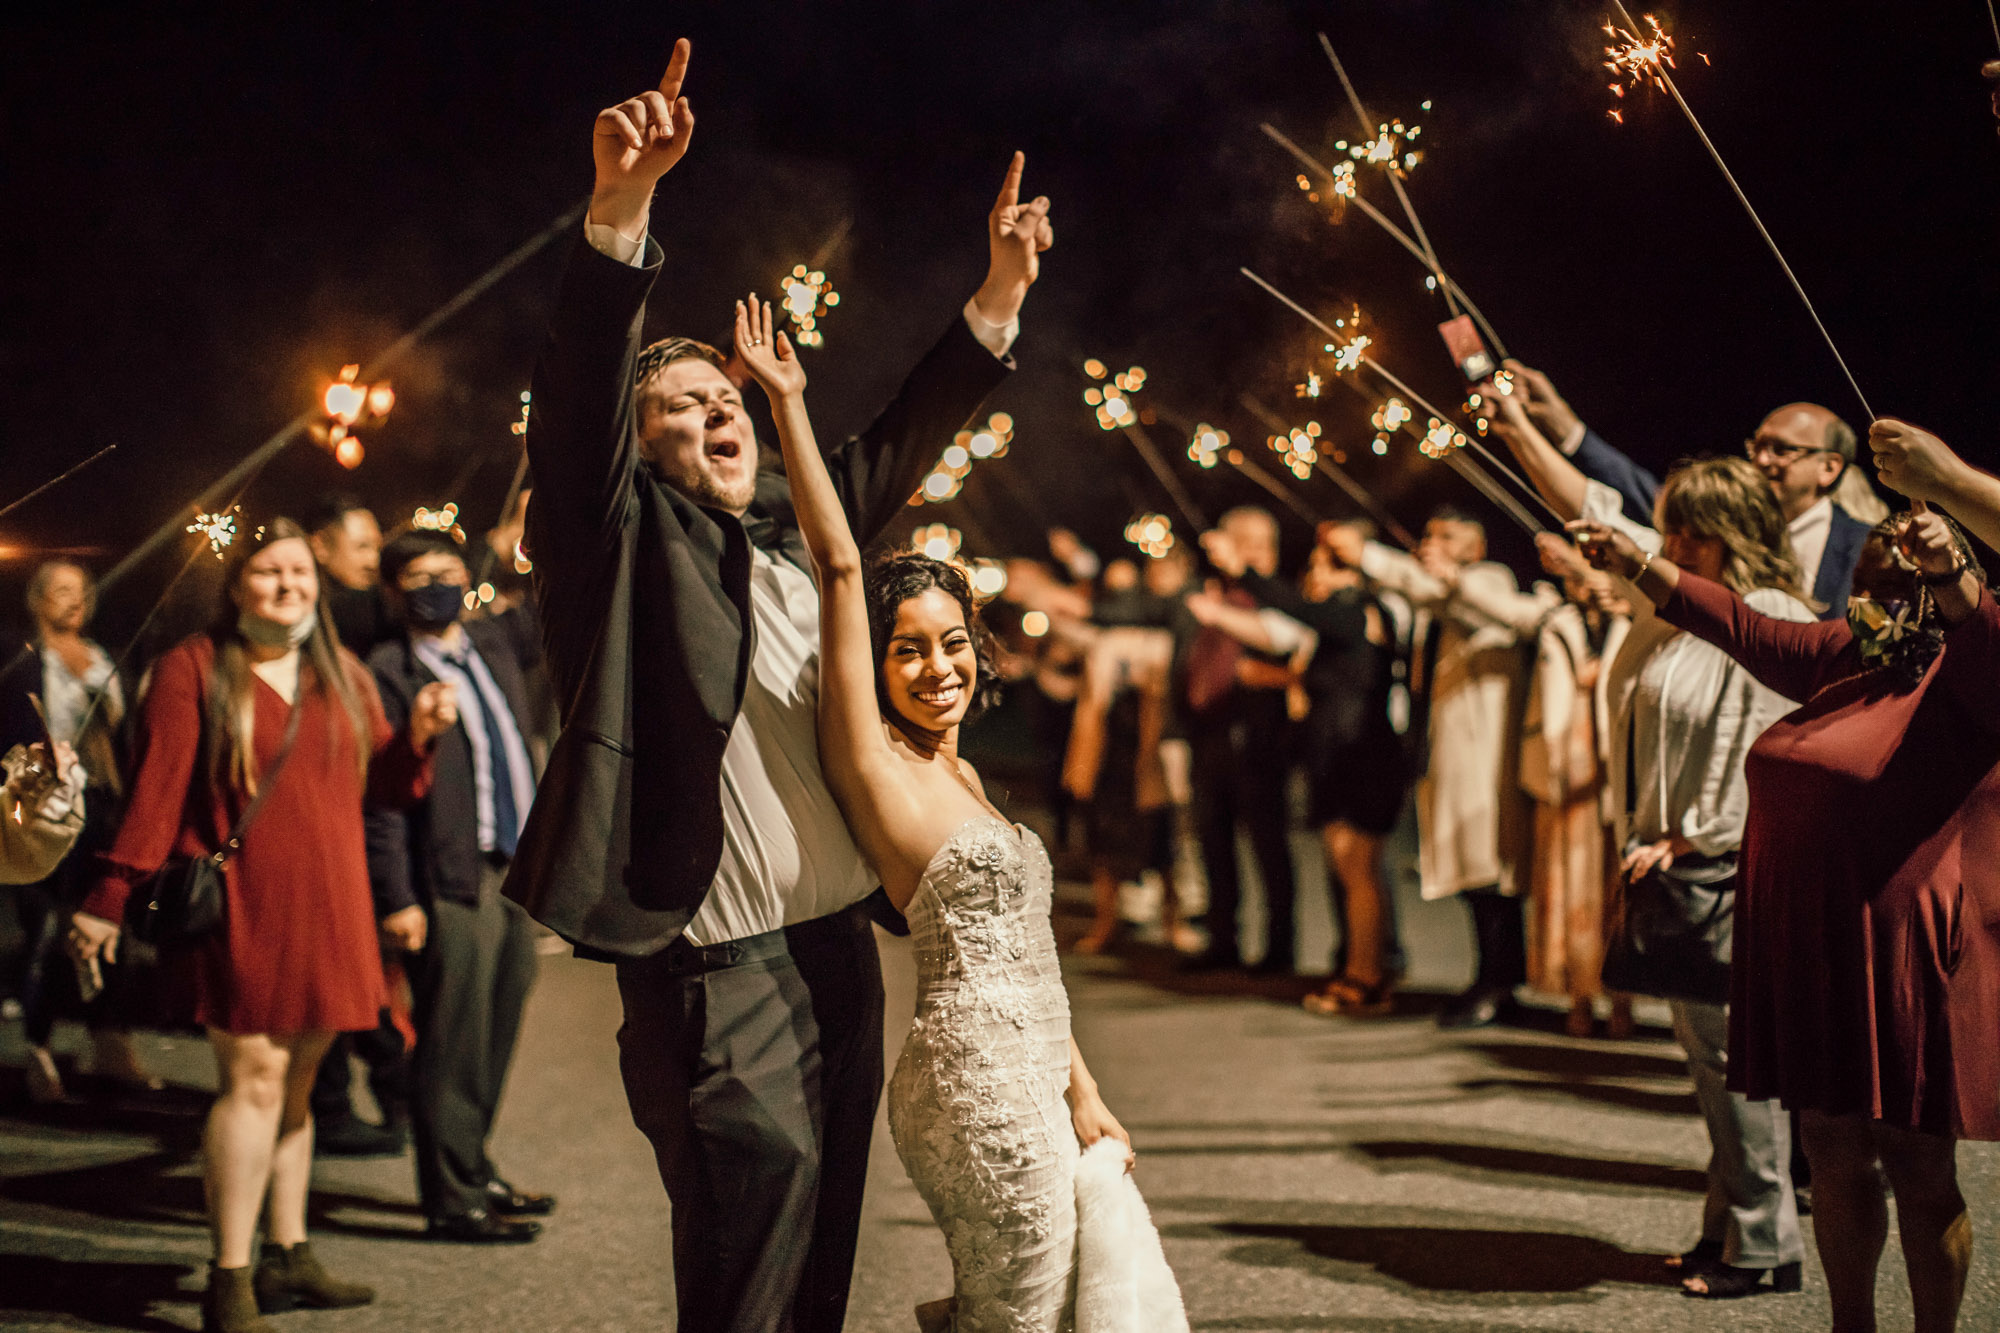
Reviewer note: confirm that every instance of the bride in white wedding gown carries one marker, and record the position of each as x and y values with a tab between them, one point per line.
991	1102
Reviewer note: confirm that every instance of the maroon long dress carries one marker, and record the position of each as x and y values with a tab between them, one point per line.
299	952
1867	949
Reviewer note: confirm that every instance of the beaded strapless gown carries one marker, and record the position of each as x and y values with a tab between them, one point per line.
976	1104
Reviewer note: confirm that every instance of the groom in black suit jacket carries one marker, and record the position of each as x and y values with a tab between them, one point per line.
683	829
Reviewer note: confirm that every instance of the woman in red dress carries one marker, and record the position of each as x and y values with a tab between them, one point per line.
1867	977
297	958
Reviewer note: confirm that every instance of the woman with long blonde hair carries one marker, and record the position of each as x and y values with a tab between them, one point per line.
265	715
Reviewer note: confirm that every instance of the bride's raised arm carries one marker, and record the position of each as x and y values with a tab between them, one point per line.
853	750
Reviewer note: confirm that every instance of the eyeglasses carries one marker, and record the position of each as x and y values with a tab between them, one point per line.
1781	452
412	582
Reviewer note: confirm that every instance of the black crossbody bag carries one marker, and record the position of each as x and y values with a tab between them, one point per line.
1673	931
187	899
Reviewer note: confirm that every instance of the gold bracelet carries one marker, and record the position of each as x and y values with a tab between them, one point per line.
1644	565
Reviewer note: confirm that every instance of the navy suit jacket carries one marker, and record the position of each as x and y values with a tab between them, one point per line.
1638	488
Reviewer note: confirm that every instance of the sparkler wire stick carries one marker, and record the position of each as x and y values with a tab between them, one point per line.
56	480
489	555
1153	459
1994	15
1509	503
238	478
1658	70
1342	478
1401	237
1395	183
1241	462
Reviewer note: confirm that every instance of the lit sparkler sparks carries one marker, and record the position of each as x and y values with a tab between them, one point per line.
1637	60
1312	385
936	541
1393	148
1440	438
1113	397
1153	534
1350	357
1299	448
947	479
808	295
218	530
347	405
1205	449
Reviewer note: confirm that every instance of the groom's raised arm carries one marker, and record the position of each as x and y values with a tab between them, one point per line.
581	445
878	470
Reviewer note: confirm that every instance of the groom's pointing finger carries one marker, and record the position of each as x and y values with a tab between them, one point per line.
1010	189
677	68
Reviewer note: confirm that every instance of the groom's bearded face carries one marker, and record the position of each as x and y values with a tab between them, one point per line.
695	434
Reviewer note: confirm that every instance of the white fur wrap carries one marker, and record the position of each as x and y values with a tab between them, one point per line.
1123	1284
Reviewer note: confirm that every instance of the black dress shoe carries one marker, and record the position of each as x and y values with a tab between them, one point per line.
482	1227
351	1136
504	1198
1479	1007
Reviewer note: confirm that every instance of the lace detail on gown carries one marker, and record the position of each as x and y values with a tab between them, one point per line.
976	1104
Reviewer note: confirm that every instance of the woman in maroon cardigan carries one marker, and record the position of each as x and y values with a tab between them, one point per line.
1867	947
297	958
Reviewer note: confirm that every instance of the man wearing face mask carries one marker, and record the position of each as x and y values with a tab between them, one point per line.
436	871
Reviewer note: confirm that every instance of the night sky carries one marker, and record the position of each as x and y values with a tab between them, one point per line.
211	208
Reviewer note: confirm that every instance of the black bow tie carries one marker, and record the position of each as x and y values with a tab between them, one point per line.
779	540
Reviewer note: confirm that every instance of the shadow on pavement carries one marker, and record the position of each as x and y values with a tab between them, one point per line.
1481	1265
117	1293
1318	1323
1478	1161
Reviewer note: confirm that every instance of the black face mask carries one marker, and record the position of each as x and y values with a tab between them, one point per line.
434	605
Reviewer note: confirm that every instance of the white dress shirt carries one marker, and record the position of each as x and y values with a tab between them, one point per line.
1809	533
467	671
787	856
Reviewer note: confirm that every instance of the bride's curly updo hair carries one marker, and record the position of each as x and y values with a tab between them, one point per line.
894	579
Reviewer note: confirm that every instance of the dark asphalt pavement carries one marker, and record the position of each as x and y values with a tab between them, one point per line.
1378	1177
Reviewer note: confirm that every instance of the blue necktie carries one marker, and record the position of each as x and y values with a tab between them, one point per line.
506	816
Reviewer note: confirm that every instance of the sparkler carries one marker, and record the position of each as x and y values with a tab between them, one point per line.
1153	534
947	479
1205	449
1452	290
1112	399
1647	60
1356	492
347	405
1378	147
56	480
807	296
218	530
1453	454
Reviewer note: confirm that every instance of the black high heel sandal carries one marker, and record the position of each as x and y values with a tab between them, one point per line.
1725	1282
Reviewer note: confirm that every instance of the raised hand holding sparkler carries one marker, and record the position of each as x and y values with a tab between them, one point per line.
635	143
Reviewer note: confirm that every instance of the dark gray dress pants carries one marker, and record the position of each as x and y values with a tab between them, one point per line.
754	1068
470	986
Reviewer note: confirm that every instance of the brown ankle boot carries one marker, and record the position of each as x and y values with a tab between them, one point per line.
288	1277
230	1303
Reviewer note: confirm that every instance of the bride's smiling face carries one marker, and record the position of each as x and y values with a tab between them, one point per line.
930	669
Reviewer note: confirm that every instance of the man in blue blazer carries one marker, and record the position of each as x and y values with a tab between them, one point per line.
1802	447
